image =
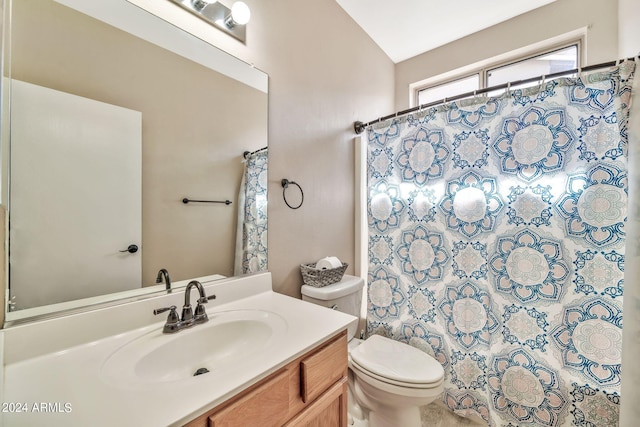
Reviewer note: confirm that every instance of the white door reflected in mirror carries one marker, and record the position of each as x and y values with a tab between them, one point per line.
75	197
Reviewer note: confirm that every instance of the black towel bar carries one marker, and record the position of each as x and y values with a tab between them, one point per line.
226	202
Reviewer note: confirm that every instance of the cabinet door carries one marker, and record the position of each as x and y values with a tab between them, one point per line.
310	391
329	410
265	406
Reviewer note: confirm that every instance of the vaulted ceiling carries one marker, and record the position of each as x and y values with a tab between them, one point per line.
406	28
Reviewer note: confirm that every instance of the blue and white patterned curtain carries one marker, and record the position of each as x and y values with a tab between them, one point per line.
496	244
251	237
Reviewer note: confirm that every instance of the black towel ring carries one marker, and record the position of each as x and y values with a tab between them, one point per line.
285	185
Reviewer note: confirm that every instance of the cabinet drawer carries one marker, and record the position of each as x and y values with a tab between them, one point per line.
323	368
263	407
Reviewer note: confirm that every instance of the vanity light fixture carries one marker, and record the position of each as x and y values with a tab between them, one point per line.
231	21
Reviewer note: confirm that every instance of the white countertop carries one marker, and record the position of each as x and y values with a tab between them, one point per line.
71	385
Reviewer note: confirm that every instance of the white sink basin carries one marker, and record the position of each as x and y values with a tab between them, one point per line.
226	342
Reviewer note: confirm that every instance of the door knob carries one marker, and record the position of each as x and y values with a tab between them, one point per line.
132	249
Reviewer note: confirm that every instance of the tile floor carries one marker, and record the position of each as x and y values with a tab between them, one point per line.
433	415
437	415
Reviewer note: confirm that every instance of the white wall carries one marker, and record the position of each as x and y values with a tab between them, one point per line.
629	45
628	28
629	408
552	20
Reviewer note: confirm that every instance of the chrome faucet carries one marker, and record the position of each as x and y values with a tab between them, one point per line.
164	274
176	324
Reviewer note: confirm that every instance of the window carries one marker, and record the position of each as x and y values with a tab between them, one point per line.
549	62
444	90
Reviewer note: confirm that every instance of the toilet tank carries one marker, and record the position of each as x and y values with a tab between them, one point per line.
344	296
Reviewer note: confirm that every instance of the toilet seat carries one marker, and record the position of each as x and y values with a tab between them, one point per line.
396	363
363	372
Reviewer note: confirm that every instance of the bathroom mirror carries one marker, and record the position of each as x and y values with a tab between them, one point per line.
116	117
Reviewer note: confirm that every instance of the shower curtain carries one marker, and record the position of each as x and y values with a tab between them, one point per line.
497	243
251	235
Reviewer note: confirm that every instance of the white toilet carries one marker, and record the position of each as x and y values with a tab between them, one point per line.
389	380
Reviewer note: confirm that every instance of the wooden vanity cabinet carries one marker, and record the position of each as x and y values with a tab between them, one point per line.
310	391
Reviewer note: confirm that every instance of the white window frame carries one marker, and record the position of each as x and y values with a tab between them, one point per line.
577	38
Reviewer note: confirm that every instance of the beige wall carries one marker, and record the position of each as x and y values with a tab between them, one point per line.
324	73
196	125
555	19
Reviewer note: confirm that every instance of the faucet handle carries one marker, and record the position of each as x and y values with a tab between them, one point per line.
205	299
163	309
173	321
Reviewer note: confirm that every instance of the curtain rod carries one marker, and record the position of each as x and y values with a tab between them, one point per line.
246	154
359	126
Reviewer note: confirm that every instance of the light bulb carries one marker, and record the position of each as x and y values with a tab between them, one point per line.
240	13
201	4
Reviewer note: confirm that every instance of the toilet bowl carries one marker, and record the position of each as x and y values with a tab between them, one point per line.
388	380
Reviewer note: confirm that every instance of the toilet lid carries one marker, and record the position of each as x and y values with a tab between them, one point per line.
397	361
